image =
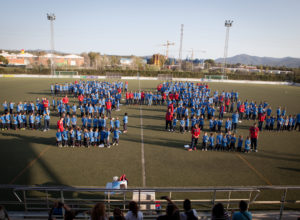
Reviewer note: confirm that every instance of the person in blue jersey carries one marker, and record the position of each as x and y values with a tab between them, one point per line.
86	138
227	125
278	112
46	119
240	143
31	121
247	145
58	138
72	138
182	125
219	141
67	121
201	122
187	124
116	136
15	122
2	122
89	122
224	143
232	142
211	124
91	136
205	141
106	138
211	142
235	120
297	122
95	122
74	109
5	107
280	121
74	121
117	123
96	137
11	107
78	142
65	136
125	122
102	137
272	122
174	123
8	120
220	124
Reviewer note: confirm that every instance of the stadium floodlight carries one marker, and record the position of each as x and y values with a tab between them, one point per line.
51	17
228	24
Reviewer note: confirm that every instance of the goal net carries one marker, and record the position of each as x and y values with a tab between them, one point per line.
66	73
220	77
113	75
165	77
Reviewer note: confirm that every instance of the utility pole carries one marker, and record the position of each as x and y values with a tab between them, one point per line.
180	47
228	24
167	48
51	17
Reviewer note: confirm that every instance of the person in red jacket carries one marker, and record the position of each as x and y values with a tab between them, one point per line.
164	98
171	106
254	136
195	135
242	110
108	108
65	100
169	118
131	97
45	103
60	124
127	97
261	119
80	99
227	103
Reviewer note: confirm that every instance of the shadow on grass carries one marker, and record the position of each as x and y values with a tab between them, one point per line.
289	169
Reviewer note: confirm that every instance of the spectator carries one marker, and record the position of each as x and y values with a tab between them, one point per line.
3	213
189	213
118	214
219	213
134	213
98	212
243	214
172	211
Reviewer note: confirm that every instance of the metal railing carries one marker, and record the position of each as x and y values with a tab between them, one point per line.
40	198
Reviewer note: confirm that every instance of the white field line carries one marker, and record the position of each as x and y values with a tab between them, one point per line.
142	143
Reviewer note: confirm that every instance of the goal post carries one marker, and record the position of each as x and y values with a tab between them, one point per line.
66	73
113	75
218	77
165	77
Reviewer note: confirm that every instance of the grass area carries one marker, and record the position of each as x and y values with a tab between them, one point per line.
31	157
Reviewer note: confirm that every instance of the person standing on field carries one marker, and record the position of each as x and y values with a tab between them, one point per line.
254	136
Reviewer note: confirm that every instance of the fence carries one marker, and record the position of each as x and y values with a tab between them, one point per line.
83	198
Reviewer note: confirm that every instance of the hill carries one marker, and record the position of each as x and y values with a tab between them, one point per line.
268	61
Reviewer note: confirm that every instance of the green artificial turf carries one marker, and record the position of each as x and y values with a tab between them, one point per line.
167	164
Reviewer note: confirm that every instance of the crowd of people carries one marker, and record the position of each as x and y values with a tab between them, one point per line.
172	212
191	104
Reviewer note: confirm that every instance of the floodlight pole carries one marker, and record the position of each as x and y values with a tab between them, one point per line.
180	47
228	24
51	17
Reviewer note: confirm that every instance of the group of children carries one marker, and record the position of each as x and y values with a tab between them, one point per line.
225	142
92	132
25	115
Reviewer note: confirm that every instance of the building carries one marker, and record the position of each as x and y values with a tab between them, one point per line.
25	59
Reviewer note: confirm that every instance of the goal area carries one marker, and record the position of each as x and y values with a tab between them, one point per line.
113	75
219	77
66	73
165	77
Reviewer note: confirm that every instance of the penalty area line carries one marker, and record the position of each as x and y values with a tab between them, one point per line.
29	165
254	169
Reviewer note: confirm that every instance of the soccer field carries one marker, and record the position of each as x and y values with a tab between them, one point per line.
31	157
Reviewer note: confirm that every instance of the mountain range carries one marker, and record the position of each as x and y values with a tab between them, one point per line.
246	59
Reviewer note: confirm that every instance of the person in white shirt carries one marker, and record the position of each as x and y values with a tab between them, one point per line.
134	213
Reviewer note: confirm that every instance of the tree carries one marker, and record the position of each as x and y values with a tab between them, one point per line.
93	58
209	63
3	60
114	60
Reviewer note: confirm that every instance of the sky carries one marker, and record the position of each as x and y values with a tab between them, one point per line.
138	27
